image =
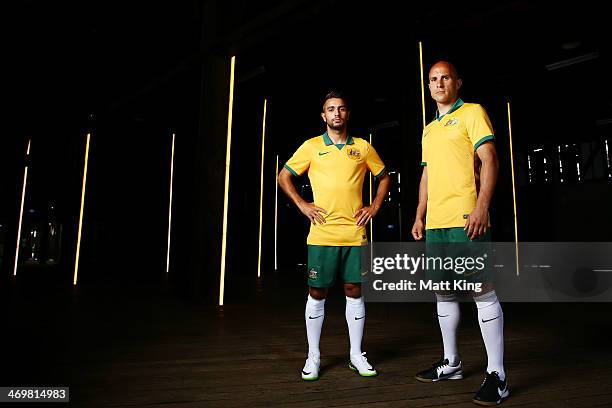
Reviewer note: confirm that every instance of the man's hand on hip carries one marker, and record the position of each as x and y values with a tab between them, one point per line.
365	214
312	212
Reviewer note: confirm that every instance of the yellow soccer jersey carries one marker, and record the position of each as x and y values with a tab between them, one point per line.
336	175
449	143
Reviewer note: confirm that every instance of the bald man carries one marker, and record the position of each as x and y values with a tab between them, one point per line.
453	208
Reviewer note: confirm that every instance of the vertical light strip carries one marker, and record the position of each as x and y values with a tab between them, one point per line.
78	248
371	220
227	173
422	82
276	219
577	161
23	191
608	159
399	203
170	204
513	192
560	163
529	168
263	140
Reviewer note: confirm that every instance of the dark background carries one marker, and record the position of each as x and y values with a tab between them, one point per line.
133	73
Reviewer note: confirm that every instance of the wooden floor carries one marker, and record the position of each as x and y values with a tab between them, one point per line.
148	349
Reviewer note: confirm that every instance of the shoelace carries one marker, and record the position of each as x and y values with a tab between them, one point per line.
494	375
365	360
443	362
311	360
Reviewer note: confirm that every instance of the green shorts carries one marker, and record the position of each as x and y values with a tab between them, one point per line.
326	262
469	257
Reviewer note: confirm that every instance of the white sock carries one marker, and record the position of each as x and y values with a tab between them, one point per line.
315	313
491	320
355	318
448	317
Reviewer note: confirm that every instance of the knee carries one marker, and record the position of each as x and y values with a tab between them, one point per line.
486	299
445	296
352	290
484	289
317	293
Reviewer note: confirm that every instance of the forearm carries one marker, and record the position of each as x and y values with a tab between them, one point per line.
384	185
488	180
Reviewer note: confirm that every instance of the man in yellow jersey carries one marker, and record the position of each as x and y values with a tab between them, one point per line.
452	209
336	164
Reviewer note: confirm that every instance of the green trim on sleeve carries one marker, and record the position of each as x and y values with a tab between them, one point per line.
291	170
484	139
383	171
423	163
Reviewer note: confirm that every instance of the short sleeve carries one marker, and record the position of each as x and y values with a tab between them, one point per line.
479	127
374	163
300	161
423	151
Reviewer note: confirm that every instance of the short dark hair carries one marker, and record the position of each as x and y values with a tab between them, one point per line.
335	93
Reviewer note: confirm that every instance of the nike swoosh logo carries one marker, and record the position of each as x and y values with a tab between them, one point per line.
359	318
322	153
443	315
305	373
310	317
484	321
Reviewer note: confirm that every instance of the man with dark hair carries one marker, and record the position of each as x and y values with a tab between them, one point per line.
337	94
453	209
336	164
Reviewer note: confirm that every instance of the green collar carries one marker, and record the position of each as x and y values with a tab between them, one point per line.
328	141
458	103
